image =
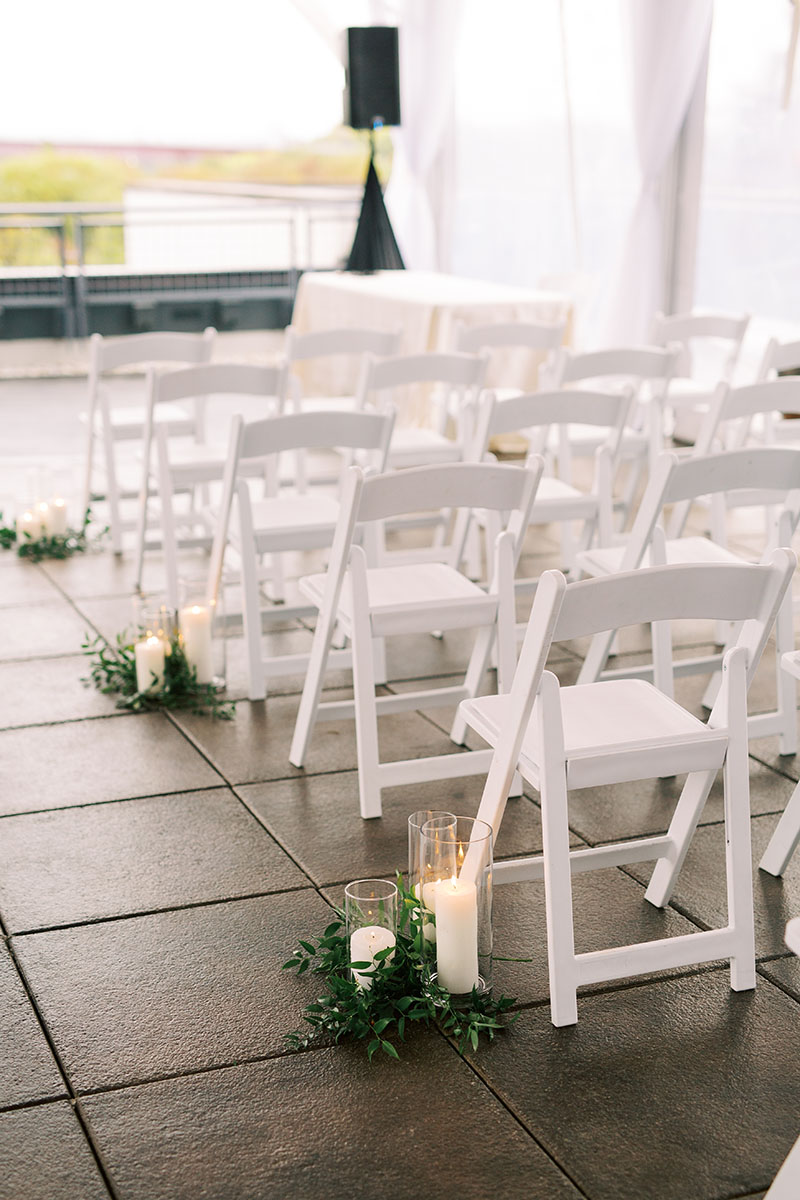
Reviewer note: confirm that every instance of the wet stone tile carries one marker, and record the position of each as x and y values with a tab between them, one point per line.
45	1154
623	810
27	1068
700	891
318	821
41	631
44	690
609	909
677	1063
83	864
322	1125
89	761
171	992
255	746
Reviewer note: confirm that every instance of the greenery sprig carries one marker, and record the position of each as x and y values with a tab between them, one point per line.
58	545
113	672
401	991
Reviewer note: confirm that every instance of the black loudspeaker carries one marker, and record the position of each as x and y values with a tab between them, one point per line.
372	80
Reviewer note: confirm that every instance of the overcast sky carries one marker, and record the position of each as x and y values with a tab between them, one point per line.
166	72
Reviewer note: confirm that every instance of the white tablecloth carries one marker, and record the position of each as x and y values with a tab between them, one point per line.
427	307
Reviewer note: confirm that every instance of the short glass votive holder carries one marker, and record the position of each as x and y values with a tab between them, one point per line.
456	866
370	907
201	627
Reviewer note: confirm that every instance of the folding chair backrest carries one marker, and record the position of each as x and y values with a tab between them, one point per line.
328	343
779	356
108	353
628	362
500	487
540	410
725	331
678	482
472	339
457	370
718	591
219	379
741	404
318	431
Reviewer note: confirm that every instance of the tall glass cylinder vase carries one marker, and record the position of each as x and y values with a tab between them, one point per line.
456	863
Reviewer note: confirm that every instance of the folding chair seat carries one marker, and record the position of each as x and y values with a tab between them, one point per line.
535	415
283	520
562	738
758	474
515	348
108	423
710	345
369	597
435	396
188	468
337	354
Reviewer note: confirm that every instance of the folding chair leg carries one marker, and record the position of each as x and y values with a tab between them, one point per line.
684	822
478	663
557	873
785	683
785	838
251	606
738	852
312	687
112	490
366	713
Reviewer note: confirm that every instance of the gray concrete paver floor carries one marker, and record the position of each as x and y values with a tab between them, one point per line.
155	869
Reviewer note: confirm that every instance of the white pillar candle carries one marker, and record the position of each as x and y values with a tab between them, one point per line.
195	623
365	943
42	514
149	661
57	518
456	935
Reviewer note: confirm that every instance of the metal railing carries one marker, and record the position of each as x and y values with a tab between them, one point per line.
234	250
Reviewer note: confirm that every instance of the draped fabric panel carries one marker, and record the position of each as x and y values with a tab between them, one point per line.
668	44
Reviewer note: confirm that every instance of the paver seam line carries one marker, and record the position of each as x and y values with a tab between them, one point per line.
111	716
32	812
509	1108
72	1095
154	912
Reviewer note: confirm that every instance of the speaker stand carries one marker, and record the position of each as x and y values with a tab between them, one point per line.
374	245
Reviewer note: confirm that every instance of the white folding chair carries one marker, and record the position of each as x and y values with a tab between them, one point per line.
786	1184
710	345
284	520
110	424
515	349
536	415
762	473
649	370
338	352
434	394
189	467
370	598
781	359
563	738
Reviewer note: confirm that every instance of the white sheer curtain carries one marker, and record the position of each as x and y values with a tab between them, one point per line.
417	194
668	44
